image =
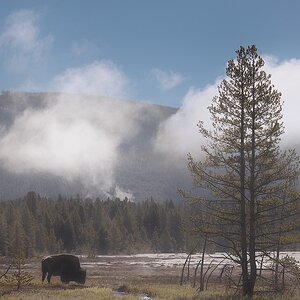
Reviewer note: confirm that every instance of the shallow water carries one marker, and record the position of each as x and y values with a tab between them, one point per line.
139	296
167	260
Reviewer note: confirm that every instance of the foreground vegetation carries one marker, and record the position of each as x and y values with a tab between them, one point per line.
127	281
158	292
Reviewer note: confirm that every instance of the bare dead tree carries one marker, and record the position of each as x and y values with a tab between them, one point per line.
188	258
4	274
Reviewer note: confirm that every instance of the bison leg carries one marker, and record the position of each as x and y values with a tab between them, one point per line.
44	275
44	271
64	278
49	277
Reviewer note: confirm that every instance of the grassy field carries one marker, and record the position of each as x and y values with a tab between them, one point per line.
91	293
122	280
167	292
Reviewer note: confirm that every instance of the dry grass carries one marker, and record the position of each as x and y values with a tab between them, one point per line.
103	282
38	291
43	294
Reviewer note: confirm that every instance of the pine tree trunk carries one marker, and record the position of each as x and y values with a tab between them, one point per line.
244	259
252	221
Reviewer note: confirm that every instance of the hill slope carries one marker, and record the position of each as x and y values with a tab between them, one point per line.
69	144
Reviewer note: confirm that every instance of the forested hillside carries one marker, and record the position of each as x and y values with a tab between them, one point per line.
41	226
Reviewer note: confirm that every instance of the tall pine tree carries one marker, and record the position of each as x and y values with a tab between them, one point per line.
247	176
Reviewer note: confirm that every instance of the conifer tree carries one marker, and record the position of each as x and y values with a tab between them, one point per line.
19	277
248	179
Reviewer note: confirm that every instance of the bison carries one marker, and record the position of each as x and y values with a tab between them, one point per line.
66	266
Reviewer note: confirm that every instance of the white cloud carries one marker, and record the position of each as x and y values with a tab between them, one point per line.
179	134
167	80
286	79
77	137
21	39
74	137
102	78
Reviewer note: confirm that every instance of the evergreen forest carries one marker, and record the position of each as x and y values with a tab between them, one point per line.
39	226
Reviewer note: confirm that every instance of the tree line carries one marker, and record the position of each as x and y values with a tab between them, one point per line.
39	225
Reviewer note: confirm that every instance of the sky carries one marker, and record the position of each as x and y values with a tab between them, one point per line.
152	51
165	52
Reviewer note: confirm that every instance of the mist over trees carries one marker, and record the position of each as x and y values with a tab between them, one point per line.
250	206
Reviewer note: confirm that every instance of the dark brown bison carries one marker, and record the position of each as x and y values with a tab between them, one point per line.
66	266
